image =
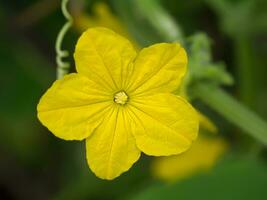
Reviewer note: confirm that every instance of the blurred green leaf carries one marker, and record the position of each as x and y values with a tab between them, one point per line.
235	179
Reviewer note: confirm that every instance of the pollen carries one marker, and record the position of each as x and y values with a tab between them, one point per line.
121	98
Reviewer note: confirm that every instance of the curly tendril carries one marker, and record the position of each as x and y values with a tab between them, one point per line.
63	67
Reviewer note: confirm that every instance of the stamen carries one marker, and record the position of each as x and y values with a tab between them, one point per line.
121	98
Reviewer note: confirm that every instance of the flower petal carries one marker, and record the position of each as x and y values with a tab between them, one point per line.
111	150
158	68
105	57
164	124
73	107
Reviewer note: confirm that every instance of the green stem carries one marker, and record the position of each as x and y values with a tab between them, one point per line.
160	20
63	67
232	110
244	63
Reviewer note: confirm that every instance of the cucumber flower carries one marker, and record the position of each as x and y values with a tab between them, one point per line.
121	103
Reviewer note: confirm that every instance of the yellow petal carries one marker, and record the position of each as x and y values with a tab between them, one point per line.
105	57
201	156
73	107
111	149
164	124
158	68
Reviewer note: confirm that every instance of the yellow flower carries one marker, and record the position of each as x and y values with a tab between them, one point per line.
202	156
121	103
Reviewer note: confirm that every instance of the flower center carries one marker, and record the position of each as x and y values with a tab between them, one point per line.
121	98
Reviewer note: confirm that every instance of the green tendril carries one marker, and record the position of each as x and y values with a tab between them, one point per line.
62	66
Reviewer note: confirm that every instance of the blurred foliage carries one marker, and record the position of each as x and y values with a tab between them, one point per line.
36	165
231	180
